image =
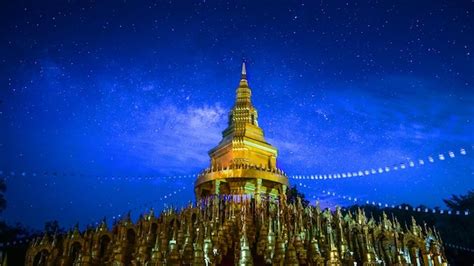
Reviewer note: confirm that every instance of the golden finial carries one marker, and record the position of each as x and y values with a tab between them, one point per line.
244	70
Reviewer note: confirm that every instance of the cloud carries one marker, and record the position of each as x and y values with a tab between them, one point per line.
173	140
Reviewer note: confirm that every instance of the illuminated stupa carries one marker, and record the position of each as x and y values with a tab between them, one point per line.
243	163
242	217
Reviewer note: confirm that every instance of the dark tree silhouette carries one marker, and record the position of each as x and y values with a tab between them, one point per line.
9	233
52	227
462	202
292	194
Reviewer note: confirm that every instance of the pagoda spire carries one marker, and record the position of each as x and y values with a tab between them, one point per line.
243	88
243	145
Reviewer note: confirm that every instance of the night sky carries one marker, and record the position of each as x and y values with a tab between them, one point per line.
130	89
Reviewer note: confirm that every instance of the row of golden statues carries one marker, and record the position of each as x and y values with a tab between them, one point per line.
239	230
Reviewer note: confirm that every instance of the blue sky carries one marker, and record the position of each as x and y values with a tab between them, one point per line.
143	89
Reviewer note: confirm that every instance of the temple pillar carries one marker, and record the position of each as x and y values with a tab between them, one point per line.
427	260
258	190
283	193
217	185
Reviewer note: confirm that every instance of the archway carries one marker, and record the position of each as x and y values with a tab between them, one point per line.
414	250
41	258
104	243
387	248
154	236
205	193
154	230
75	252
130	247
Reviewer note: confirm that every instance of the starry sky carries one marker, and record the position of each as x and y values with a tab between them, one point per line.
93	92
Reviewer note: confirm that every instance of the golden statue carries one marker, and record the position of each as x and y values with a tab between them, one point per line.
241	217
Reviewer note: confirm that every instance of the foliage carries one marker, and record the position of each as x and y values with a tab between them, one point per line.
462	202
292	194
52	227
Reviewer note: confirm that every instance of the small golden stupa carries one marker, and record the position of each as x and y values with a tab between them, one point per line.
243	163
244	228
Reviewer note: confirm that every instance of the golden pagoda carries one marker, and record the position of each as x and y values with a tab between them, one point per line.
219	229
243	163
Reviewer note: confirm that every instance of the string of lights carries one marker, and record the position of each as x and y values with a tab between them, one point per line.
17	242
372	171
454	246
391	206
149	205
12	174
145	178
385	169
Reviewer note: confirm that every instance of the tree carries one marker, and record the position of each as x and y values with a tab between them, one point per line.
459	229
292	194
462	202
52	227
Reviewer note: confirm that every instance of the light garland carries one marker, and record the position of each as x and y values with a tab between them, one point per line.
26	240
10	174
391	206
14	243
149	203
371	171
382	170
459	247
144	178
